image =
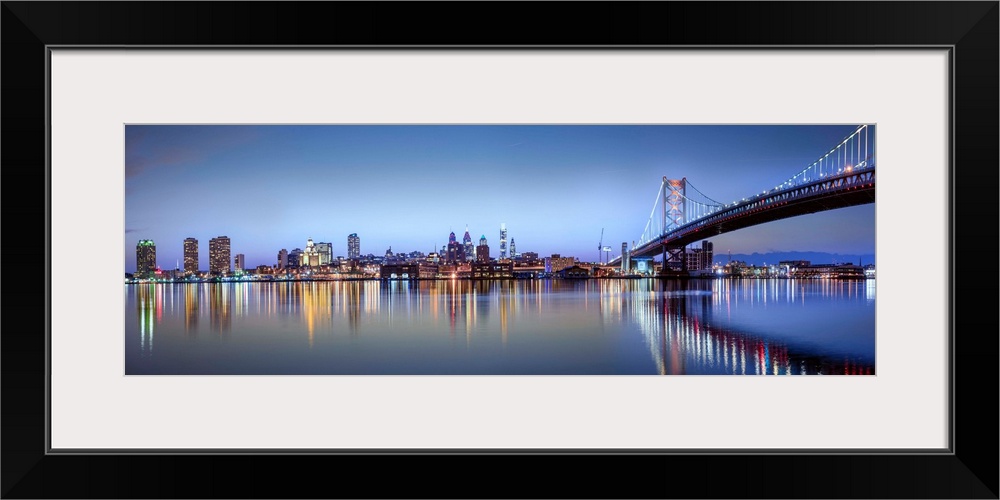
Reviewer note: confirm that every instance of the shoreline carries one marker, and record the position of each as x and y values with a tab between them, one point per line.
615	278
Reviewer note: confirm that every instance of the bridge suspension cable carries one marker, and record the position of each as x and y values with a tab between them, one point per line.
647	232
719	203
855	152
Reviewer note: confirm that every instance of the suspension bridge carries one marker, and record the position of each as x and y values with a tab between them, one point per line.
843	177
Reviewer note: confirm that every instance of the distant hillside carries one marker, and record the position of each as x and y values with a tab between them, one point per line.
759	259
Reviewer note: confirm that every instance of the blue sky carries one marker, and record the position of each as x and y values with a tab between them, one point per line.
407	186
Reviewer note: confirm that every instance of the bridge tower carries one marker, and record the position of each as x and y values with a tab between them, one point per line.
674	194
625	259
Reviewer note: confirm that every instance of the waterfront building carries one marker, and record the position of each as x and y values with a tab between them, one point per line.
145	259
447	271
282	258
219	255
353	246
483	250
699	258
399	271
557	263
828	271
240	262
492	270
574	272
190	256
503	241
470	250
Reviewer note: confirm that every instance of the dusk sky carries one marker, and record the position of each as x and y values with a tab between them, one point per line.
408	186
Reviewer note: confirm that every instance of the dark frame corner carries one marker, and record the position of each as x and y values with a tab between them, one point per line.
971	28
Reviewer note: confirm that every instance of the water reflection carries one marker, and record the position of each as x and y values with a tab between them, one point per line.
678	321
742	327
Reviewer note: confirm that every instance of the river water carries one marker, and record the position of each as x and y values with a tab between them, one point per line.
520	327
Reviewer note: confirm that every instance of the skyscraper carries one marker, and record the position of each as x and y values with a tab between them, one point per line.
282	258
483	250
353	246
513	250
503	240
240	262
325	251
455	251
218	255
145	259
470	251
294	258
190	256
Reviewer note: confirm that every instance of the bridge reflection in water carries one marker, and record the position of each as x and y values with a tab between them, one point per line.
678	324
774	327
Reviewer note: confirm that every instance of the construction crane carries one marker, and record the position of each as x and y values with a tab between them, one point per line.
600	246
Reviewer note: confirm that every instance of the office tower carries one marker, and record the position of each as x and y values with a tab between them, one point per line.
513	250
707	255
353	246
190	256
483	250
455	252
325	252
145	259
282	258
470	250
240	262
294	258
625	258
503	240
218	255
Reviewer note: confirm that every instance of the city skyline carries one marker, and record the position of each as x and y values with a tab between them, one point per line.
557	189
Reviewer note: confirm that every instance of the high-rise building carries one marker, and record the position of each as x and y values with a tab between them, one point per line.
294	257
625	258
325	251
145	259
483	250
503	240
240	262
218	255
190	256
454	252
699	258
470	250
282	258
513	250
353	246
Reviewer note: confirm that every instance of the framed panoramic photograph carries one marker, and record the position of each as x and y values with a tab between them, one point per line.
673	254
665	302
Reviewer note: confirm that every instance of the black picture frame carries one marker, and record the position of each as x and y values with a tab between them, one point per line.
970	29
